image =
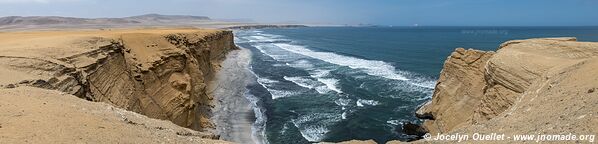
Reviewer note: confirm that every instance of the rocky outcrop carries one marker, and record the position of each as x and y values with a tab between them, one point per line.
518	64
458	91
561	101
162	74
523	87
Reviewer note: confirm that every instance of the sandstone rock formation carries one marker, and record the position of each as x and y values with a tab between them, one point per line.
160	73
527	87
458	90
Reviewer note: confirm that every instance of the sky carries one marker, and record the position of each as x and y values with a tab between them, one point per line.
378	12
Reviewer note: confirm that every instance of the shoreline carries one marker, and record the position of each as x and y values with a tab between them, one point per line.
233	113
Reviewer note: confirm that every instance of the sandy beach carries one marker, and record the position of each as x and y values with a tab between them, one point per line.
233	113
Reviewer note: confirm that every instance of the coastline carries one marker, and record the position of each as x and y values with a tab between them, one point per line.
147	71
233	113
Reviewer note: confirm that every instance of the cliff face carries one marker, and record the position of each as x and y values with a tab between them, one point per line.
162	74
458	90
524	86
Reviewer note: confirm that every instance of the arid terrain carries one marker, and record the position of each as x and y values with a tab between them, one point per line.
34	115
160	66
534	86
186	85
24	23
159	73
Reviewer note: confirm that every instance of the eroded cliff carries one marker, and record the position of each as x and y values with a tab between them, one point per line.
160	73
528	86
458	90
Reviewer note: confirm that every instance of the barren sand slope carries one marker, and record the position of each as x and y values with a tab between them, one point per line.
34	115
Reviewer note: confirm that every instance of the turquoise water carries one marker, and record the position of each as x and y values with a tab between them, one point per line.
342	83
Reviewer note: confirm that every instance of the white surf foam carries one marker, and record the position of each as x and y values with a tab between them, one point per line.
371	67
266	81
270	35
430	84
281	93
322	85
258	128
394	122
313	127
257	38
275	53
284	129
262	49
342	102
362	102
303	64
426	88
331	84
323	89
301	81
344	115
264	39
319	73
258	131
314	133
278	65
362	85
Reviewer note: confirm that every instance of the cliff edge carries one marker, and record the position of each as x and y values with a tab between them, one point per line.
34	115
533	86
160	73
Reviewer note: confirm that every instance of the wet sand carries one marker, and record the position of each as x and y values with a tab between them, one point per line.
233	113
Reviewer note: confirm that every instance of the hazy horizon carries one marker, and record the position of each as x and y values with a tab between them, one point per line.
337	12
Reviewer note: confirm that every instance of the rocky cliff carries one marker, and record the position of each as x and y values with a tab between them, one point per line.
527	87
458	91
160	73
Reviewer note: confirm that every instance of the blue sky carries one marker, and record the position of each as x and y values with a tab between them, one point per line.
383	12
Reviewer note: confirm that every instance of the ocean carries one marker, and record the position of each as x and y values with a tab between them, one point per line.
336	84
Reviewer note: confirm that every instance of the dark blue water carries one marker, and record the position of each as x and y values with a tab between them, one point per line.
342	83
